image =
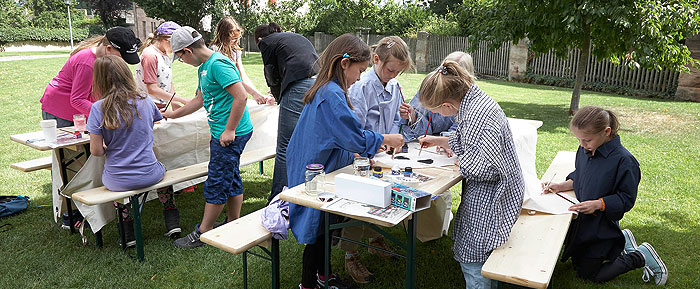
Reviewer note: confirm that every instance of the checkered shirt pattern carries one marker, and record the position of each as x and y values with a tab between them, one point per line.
493	190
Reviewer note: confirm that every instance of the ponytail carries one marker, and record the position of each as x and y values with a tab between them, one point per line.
148	42
449	82
593	120
90	43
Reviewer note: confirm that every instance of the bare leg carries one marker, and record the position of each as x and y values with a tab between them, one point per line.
233	205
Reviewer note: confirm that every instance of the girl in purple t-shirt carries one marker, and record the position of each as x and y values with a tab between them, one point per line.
121	129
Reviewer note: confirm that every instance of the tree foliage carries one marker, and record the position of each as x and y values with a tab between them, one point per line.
13	14
184	12
109	10
647	33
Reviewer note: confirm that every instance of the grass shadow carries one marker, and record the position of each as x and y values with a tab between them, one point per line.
554	117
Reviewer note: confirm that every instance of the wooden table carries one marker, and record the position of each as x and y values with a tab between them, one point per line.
529	256
66	155
445	178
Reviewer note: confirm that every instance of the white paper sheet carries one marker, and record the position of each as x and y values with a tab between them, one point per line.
439	159
391	214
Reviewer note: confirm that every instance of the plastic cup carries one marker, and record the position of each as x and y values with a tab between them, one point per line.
79	122
49	128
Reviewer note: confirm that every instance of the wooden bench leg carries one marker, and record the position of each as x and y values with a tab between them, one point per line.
136	214
275	248
245	270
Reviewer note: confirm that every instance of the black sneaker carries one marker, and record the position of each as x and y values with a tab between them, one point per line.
189	241
172	223
128	234
335	282
77	218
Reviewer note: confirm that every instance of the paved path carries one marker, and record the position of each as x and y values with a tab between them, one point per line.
25	57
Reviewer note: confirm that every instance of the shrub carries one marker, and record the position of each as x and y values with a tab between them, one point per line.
9	34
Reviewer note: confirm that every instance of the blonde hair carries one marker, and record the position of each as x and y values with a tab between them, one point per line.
464	60
152	38
90	43
113	81
449	82
224	35
593	120
393	46
345	46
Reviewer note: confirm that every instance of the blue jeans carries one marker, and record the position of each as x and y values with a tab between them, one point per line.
473	278
291	105
224	179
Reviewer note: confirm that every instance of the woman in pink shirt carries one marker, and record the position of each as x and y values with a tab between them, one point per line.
69	92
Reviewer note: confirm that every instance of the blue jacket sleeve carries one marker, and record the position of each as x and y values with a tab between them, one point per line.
345	132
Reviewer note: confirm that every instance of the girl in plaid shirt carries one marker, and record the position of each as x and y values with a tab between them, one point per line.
493	187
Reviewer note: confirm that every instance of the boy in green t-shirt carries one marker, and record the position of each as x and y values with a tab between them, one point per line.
221	93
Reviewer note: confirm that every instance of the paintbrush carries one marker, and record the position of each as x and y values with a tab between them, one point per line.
546	187
168	104
426	131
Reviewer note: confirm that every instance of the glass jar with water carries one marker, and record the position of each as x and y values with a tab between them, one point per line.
315	179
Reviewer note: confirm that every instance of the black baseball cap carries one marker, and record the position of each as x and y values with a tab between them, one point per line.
124	40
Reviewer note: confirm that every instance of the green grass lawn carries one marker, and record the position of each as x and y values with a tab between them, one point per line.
20	53
663	135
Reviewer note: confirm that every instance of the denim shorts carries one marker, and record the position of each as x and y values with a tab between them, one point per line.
224	179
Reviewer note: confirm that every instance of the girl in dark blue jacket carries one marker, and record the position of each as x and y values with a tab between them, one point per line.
605	182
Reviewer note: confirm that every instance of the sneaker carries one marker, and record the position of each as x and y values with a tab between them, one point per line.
189	241
335	282
315	287
379	243
654	266
77	219
172	223
630	243
128	234
357	270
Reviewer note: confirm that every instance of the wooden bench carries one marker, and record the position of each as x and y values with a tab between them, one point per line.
529	256
241	235
102	195
33	165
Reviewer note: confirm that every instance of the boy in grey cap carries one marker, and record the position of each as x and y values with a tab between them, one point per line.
223	96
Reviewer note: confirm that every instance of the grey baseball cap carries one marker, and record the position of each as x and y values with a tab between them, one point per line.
183	37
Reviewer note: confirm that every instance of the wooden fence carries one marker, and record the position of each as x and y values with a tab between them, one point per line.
486	61
494	62
605	72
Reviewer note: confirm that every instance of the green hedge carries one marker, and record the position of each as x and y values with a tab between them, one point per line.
9	34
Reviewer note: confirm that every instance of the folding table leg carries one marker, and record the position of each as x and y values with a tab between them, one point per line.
98	239
411	253
327	246
261	168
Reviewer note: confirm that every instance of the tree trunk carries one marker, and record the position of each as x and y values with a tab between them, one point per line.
581	69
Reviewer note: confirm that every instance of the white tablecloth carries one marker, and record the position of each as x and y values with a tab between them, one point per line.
176	143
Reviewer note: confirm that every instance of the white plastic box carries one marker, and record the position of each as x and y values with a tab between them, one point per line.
365	190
